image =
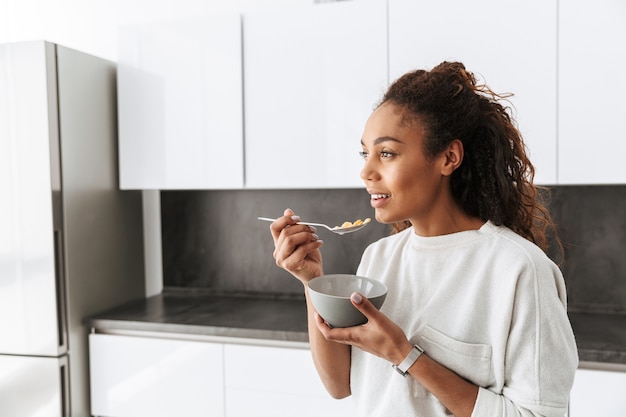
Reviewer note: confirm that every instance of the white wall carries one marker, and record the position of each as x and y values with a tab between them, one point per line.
91	26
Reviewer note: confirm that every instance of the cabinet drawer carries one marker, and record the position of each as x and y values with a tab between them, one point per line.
269	381
598	393
140	376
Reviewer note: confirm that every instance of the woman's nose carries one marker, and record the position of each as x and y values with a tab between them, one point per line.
368	172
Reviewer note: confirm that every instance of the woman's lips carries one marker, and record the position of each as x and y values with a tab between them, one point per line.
378	200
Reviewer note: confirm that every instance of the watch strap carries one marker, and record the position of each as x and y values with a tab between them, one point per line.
412	357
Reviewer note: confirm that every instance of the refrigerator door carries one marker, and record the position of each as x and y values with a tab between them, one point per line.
31	267
32	386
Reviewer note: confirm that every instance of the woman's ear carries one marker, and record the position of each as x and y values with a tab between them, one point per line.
453	157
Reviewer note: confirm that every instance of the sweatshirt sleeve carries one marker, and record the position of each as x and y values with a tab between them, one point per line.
541	356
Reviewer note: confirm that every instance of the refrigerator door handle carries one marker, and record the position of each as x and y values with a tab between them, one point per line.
59	266
65	388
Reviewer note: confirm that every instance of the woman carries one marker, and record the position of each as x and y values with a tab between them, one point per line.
475	318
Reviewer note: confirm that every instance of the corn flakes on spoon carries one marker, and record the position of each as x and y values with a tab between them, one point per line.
346	227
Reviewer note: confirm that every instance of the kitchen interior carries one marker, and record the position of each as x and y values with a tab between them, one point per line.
141	140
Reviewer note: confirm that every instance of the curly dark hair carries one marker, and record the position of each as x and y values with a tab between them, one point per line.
495	180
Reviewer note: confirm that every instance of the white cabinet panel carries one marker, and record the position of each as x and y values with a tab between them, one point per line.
312	76
136	376
180	104
592	86
32	386
512	45
598	393
277	382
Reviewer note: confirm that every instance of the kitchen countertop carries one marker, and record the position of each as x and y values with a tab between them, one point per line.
601	338
197	312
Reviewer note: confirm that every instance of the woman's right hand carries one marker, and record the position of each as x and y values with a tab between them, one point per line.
297	247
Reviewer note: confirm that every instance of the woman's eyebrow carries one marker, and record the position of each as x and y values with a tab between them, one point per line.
383	139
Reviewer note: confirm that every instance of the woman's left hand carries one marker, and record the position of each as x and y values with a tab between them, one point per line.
379	336
382	337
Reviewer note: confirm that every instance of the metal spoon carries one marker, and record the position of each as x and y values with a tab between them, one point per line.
339	230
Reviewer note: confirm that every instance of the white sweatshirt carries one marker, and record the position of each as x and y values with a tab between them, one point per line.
487	304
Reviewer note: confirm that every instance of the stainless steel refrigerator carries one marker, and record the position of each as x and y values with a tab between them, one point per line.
71	242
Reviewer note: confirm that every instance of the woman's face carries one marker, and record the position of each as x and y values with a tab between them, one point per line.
403	183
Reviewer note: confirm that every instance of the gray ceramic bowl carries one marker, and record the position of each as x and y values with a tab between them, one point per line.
330	295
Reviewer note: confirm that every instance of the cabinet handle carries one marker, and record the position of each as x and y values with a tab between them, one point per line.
59	273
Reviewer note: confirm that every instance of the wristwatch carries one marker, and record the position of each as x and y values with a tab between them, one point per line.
412	357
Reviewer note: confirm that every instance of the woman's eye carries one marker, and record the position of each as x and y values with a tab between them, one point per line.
381	154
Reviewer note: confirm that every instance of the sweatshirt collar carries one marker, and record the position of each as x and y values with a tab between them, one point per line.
452	239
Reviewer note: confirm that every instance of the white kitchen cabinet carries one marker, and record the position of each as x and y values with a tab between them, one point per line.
180	104
277	382
136	376
142	376
312	76
592	86
510	45
598	393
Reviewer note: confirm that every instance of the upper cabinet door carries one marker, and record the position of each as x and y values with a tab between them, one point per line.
511	45
180	104
592	87
312	76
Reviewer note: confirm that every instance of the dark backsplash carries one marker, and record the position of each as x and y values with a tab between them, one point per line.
213	240
592	224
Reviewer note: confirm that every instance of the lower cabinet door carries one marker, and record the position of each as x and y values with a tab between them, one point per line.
598	393
276	382
142	376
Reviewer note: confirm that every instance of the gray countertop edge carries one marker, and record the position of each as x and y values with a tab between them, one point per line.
263	336
602	356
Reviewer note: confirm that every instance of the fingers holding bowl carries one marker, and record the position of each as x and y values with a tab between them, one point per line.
332	295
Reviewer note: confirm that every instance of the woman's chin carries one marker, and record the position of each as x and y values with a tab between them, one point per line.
385	219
